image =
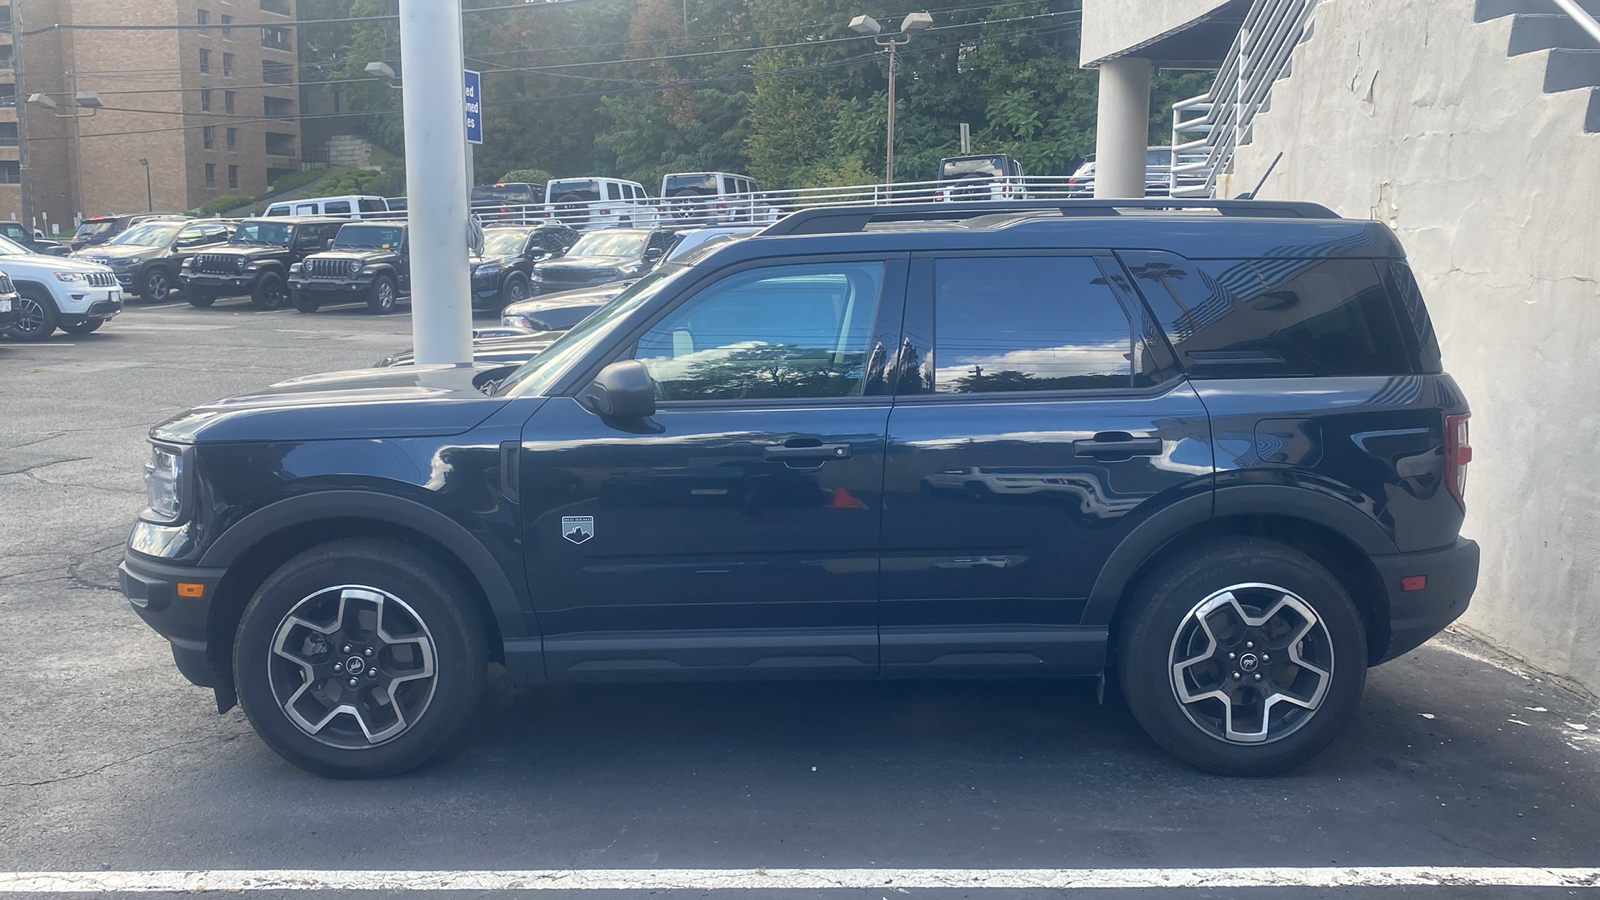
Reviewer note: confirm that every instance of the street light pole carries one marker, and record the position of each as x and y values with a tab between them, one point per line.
149	197
911	24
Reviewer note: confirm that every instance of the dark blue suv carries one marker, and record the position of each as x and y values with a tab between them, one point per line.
1205	446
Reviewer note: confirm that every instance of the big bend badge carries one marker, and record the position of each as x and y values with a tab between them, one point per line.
577	529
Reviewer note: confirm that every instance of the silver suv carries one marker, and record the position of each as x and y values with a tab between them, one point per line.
54	292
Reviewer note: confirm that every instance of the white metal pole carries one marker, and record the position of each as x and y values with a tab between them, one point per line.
889	169
436	180
1123	128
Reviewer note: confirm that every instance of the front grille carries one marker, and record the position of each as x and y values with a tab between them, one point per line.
102	279
217	264
328	267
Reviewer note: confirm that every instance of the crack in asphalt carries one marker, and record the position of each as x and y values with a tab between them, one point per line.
117	762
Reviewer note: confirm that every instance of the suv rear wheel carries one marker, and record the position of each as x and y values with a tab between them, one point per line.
357	659
1242	657
38	316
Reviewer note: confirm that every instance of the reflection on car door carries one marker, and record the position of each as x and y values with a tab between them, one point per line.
1034	429
737	529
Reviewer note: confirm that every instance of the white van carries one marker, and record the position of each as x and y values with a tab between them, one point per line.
710	198
354	206
600	203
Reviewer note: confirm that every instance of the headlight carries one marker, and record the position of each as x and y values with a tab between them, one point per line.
538	275
516	321
163	484
484	271
250	267
240	263
186	264
355	266
71	277
124	262
295	269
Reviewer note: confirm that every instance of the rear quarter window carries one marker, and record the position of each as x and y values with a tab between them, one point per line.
1270	317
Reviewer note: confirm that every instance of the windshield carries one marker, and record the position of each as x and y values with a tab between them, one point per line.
539	374
258	232
8	247
573	191
146	235
92	228
991	166
503	243
689	186
610	243
1161	156
503	193
368	237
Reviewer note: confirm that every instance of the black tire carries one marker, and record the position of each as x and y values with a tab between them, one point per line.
270	291
429	620
39	317
382	296
515	290
155	285
82	326
1324	668
199	299
305	303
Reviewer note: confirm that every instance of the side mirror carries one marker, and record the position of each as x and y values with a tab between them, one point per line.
327	244
623	389
653	254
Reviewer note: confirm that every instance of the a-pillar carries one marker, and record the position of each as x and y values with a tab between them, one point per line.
1124	127
436	180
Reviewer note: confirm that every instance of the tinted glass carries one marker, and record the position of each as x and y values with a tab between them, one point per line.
611	243
503	193
369	237
336	207
611	191
503	243
146	236
779	332
689	185
374	206
1274	317
957	168
573	191
1046	323
258	232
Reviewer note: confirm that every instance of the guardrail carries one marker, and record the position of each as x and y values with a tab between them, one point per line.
1210	128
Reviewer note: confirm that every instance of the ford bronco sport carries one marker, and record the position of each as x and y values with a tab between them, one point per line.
1207	446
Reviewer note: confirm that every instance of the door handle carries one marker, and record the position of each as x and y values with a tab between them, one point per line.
817	452
1110	446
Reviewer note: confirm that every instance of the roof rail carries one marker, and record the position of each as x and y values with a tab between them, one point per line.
849	219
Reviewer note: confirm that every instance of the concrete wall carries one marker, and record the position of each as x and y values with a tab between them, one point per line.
1113	26
1410	113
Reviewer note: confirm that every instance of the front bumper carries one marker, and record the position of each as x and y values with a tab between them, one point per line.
152	588
10	312
331	288
90	303
1415	616
222	285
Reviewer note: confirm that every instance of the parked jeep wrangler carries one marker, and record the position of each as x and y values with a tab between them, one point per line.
369	262
1208	446
255	262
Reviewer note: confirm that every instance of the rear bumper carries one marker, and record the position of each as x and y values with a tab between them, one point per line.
152	589
1415	616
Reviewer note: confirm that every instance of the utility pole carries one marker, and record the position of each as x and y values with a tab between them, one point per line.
436	180
25	173
888	177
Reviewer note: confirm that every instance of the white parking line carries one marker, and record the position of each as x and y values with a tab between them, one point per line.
766	880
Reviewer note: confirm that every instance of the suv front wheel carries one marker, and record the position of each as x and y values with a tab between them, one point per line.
358	659
270	291
1243	657
38	319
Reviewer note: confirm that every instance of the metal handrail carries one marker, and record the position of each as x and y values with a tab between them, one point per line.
1581	15
1243	87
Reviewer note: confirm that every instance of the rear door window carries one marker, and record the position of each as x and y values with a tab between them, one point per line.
1240	318
374	205
1030	323
337	208
611	191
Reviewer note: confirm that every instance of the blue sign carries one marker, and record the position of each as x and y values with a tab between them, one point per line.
474	87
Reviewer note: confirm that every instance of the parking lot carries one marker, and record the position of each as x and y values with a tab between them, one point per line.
110	761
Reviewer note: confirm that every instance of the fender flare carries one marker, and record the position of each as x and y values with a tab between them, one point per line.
343	504
1279	501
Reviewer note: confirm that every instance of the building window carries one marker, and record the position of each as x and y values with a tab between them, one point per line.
227	102
280	144
233	176
205	99
227	27
202	17
233	140
277	108
277	72
281	7
275	38
5	18
8	134
10	171
8	94
205	60
211	175
208	137
227	65
6	51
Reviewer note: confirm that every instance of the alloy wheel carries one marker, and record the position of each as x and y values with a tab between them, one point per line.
31	316
353	666
155	286
1251	663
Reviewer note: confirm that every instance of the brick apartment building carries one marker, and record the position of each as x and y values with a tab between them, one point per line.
214	111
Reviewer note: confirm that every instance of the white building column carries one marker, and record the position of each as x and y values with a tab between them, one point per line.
1123	130
436	180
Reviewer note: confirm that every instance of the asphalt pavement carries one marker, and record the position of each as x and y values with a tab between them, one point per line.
111	763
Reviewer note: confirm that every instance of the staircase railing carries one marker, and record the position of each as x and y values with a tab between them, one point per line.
1207	130
1581	15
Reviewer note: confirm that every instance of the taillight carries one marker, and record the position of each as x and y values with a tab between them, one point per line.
1457	453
